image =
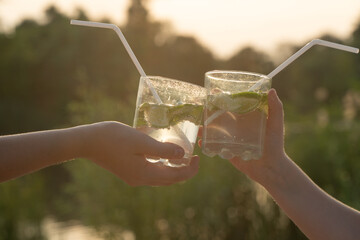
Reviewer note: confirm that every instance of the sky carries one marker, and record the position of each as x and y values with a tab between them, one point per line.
223	26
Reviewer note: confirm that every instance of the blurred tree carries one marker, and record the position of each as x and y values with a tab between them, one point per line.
355	41
22	207
185	59
249	59
54	74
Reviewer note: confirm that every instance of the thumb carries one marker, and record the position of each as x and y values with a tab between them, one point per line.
275	123
155	148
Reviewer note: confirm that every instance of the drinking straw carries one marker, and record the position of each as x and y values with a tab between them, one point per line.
302	51
307	47
290	60
133	58
126	45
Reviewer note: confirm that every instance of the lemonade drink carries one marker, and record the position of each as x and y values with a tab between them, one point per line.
176	119
235	114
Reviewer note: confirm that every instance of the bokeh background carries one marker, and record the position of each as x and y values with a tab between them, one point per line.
55	75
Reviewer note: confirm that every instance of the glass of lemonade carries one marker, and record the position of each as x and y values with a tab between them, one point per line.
235	114
174	118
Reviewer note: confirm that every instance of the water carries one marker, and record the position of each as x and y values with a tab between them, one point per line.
183	134
232	134
69	230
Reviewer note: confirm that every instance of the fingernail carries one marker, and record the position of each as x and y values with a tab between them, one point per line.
179	152
272	93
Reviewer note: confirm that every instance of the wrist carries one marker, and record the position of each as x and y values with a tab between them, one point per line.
94	138
275	174
83	140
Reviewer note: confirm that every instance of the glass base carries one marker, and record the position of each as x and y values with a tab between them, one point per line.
183	162
231	150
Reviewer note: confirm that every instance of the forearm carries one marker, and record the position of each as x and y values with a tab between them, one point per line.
24	153
317	214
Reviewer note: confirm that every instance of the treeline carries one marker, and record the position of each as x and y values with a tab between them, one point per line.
54	74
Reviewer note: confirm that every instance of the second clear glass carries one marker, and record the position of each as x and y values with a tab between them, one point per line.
235	114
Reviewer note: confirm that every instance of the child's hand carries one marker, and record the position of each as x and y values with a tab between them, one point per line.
121	149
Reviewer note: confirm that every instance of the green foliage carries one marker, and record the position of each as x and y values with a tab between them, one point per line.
55	75
330	158
248	59
222	204
22	207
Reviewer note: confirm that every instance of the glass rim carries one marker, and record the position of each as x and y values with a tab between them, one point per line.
261	76
155	77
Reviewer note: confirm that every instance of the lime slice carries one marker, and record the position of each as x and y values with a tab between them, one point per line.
186	112
264	104
164	116
241	102
156	114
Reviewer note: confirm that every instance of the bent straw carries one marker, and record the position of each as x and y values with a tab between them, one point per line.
133	58
126	45
289	61
302	51
307	47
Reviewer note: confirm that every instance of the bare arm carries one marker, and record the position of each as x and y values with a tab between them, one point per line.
24	153
114	146
317	214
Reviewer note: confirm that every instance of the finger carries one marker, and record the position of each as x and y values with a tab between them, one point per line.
276	114
152	147
164	175
184	173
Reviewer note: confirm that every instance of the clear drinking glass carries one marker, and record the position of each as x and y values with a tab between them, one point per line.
235	114
175	118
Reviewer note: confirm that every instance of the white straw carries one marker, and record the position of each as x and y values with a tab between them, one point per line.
133	58
288	61
302	51
126	45
307	47
213	117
